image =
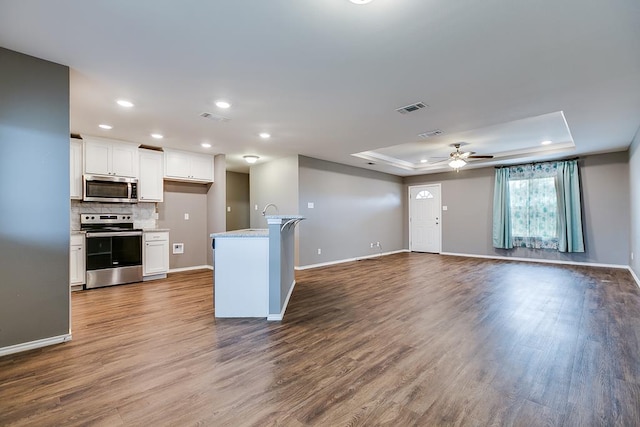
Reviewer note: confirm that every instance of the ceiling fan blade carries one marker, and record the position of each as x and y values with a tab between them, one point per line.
480	157
467	154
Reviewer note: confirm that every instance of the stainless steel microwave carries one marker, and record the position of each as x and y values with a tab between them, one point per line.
113	189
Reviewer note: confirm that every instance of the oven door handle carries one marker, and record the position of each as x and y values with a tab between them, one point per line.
115	234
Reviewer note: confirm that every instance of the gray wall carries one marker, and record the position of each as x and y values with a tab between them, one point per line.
634	190
273	182
34	155
353	207
466	225
216	203
238	201
181	198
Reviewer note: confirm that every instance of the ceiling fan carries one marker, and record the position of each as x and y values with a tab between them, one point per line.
458	159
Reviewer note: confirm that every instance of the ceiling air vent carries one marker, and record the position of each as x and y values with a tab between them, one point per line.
214	117
430	134
410	108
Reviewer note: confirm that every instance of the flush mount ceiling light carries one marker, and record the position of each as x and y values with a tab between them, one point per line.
423	161
124	103
547	142
206	145
223	104
265	135
250	159
457	163
156	136
106	127
360	1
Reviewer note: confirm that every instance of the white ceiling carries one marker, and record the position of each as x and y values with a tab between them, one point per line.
324	77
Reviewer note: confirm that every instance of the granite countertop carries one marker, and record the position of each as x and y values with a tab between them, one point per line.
285	217
248	232
151	230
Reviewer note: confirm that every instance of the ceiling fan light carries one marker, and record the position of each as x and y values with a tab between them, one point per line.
457	163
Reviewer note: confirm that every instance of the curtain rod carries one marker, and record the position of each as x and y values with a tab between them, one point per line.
537	163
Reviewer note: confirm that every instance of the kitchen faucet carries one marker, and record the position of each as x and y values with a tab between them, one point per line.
264	211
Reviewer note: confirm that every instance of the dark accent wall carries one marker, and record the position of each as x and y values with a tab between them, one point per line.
182	198
353	207
238	217
468	195
34	199
634	200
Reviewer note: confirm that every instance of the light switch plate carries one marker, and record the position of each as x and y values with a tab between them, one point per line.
178	248
186	216
310	205
228	208
444	208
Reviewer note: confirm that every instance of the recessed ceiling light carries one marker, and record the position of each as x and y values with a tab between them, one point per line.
157	136
251	159
547	142
265	135
206	145
107	127
124	103
423	161
222	104
360	1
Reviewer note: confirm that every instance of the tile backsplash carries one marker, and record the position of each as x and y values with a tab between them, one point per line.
143	213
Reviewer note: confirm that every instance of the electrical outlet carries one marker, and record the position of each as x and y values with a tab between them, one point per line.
377	244
228	208
310	205
255	207
631	256
371	245
186	216
319	251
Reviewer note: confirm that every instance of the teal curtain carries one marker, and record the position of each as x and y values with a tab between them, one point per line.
502	211
570	237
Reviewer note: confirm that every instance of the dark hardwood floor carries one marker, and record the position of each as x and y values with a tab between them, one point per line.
407	339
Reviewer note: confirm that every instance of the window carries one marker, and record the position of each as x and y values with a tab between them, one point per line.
424	194
534	212
538	206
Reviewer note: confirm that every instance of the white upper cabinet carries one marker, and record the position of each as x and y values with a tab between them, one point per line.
75	172
150	183
108	157
185	166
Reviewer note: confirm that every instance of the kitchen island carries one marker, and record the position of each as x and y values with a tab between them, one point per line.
254	269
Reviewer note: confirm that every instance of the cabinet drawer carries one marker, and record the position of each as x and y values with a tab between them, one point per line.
156	236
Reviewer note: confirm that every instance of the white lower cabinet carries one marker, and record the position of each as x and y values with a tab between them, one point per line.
155	256
77	261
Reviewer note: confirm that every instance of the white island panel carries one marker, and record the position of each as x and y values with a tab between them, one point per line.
241	276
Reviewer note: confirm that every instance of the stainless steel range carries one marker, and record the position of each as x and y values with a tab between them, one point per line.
114	249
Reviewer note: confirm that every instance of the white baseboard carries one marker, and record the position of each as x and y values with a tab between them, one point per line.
195	267
280	315
540	260
17	348
341	261
633	273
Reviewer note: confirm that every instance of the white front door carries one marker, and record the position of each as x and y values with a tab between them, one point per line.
425	218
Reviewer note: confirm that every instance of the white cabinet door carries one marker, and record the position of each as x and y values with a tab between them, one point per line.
107	157
202	168
150	183
75	170
185	166
77	261
156	253
176	164
97	158
124	158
